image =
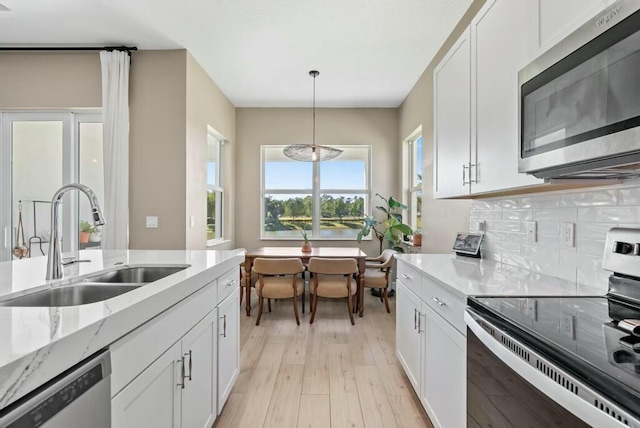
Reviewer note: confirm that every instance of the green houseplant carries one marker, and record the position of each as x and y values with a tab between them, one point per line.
391	229
306	245
85	230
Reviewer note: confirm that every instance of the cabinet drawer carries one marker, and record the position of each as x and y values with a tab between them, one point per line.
228	283
445	303
409	277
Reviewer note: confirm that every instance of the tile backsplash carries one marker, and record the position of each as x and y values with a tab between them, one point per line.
593	211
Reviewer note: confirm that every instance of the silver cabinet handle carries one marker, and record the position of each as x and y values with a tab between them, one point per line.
464	177
438	301
224	326
230	283
419	323
473	165
405	276
190	355
415	319
182	374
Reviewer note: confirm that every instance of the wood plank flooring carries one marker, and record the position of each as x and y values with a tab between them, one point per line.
329	374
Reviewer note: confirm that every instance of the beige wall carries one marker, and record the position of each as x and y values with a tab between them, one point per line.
171	102
275	126
157	155
207	105
441	219
50	80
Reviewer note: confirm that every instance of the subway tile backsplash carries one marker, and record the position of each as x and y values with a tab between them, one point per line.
593	211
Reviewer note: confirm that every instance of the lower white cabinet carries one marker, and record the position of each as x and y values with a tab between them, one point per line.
444	377
178	369
432	352
153	398
408	337
228	346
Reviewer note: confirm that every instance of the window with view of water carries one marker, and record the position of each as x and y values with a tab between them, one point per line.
327	199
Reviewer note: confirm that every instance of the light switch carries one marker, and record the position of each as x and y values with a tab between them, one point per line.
192	221
152	222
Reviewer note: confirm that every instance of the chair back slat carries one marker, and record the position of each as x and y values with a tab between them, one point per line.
266	266
329	266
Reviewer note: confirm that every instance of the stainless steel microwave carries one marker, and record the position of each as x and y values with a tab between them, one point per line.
579	109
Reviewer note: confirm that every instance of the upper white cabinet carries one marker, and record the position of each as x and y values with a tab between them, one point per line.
502	42
476	97
452	120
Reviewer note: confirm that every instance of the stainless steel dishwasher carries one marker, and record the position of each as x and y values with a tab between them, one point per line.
78	398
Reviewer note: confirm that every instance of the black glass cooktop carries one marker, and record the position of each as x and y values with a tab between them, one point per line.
579	333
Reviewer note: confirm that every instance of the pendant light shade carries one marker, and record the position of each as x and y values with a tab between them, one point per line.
311	152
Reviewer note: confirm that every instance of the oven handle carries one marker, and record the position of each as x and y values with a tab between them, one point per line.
581	405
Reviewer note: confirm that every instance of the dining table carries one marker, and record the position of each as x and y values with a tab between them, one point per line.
296	252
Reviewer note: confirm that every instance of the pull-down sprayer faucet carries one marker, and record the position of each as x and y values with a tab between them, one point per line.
54	262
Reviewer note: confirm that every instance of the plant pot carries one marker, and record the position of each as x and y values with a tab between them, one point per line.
94	237
306	247
417	240
84	237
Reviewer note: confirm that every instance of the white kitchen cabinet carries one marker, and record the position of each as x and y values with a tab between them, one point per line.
153	398
444	374
503	41
452	120
408	337
557	19
228	346
199	395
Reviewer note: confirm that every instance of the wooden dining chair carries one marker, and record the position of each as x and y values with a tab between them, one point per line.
376	274
333	278
243	282
278	279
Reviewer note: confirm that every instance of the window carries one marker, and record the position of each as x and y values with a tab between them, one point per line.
215	194
328	199
414	179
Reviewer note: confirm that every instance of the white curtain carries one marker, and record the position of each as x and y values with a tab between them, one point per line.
115	117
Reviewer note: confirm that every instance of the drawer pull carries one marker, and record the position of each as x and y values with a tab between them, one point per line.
230	283
438	301
415	319
405	276
182	373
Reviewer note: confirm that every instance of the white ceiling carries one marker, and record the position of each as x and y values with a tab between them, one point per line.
369	53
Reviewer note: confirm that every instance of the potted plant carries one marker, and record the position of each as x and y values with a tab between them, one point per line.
417	238
85	230
390	229
306	245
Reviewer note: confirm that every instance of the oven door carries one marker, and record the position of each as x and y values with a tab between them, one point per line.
510	384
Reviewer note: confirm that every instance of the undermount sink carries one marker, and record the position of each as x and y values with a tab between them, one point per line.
139	274
95	288
71	295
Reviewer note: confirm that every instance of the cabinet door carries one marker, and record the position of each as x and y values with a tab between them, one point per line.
559	18
199	395
153	398
228	346
452	120
504	40
444	373
408	335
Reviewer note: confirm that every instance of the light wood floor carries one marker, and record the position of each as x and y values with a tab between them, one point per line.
329	374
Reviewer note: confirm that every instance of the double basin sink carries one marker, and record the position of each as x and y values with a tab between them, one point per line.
95	288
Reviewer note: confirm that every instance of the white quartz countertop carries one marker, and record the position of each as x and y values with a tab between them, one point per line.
37	343
466	276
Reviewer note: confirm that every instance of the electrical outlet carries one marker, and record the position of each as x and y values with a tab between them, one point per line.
567	322
532	231
568	234
152	222
482	226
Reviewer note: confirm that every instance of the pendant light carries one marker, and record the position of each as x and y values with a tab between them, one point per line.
311	152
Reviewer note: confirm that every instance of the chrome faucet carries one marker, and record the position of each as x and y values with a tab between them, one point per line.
54	262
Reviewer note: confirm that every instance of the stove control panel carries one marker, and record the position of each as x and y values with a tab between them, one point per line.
621	250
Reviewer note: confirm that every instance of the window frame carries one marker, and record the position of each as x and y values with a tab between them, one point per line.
316	192
217	188
413	187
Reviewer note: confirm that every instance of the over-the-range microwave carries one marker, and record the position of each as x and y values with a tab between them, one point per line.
579	108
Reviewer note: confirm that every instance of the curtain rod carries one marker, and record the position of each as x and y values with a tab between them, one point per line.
127	49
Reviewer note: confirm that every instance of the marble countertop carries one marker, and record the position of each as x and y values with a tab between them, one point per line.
38	343
466	276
